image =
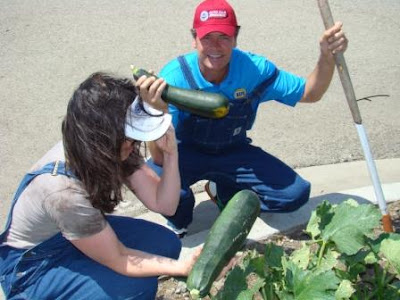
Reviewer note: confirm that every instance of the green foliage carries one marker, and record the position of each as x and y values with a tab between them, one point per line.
342	260
350	225
391	250
305	284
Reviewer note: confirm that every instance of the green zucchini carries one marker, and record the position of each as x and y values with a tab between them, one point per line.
205	104
226	237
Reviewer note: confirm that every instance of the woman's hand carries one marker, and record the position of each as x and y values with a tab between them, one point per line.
194	257
189	263
150	91
167	143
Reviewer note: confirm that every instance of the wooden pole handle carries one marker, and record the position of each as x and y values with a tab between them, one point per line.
341	65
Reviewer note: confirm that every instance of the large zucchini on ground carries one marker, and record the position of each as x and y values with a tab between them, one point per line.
205	104
226	237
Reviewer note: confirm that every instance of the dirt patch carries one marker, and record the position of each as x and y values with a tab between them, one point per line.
172	289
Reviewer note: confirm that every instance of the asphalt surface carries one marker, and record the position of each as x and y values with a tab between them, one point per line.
48	47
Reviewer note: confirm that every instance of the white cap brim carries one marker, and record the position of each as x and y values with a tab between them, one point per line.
145	123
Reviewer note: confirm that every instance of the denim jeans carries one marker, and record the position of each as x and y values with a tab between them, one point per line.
56	269
278	186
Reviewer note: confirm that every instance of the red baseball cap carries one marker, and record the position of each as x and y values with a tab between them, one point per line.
214	15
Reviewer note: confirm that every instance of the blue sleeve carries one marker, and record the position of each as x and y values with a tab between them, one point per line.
172	74
287	88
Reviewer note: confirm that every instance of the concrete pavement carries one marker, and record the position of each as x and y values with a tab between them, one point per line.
334	183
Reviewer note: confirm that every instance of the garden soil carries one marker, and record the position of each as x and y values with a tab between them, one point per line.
170	288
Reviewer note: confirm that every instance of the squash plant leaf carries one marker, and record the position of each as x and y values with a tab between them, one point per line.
376	244
319	218
273	255
391	249
350	225
234	285
356	264
256	265
312	228
301	256
329	261
305	285
249	294
345	290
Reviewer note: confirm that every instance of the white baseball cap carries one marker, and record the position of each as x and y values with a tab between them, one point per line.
145	123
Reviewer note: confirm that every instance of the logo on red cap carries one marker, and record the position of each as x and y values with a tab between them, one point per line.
214	15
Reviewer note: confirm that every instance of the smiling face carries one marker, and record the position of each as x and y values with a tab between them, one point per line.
215	51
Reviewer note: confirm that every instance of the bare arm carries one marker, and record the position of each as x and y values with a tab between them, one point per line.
332	41
156	153
105	248
159	194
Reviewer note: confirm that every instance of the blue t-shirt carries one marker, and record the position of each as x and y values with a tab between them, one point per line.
246	72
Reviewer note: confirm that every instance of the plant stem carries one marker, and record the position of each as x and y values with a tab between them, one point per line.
382	283
321	253
372	295
380	278
264	294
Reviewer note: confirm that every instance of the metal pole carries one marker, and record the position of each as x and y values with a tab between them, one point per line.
352	102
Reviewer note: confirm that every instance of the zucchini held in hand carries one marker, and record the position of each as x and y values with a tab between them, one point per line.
226	237
205	104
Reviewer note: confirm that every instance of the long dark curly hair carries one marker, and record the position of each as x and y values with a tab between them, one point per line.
93	132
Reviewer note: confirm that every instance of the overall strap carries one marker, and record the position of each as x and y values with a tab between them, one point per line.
55	168
260	89
187	72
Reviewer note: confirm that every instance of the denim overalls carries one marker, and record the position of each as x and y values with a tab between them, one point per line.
219	150
219	135
55	269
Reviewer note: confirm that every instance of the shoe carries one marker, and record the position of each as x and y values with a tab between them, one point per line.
211	190
180	232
